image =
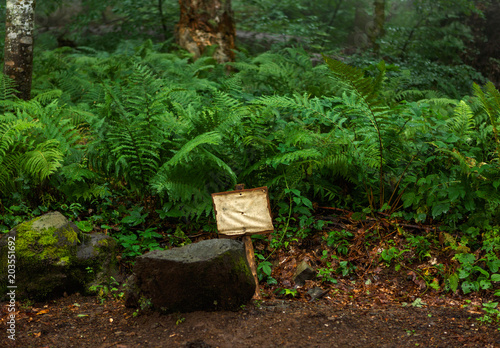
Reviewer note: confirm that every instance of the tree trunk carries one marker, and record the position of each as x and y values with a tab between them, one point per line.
204	23
484	50
359	36
379	21
18	56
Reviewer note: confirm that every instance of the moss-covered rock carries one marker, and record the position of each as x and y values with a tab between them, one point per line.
52	257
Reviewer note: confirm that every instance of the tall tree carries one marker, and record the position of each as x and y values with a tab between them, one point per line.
378	25
484	50
205	23
18	56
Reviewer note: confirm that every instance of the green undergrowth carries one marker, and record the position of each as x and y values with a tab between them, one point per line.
134	142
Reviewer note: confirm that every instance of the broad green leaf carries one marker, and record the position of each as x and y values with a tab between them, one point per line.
494	265
484	284
440	209
307	202
408	199
467	287
495	277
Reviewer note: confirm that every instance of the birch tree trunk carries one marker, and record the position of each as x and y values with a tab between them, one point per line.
204	23
18	56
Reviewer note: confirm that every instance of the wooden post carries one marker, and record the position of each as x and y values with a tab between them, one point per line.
251	262
250	255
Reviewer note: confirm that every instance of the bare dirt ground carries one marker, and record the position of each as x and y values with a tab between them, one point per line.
79	321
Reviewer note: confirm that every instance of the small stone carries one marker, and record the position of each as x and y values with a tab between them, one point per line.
316	293
304	272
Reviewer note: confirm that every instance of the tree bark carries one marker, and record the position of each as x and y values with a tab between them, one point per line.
379	21
204	23
484	50
18	55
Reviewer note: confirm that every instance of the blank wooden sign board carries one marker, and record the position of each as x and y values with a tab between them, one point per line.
243	213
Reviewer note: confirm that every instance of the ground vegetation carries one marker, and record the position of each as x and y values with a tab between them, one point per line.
381	155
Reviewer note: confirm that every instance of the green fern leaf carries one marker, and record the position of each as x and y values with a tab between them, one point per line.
183	154
43	161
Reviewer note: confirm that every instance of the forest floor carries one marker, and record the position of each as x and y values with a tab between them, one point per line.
79	321
377	304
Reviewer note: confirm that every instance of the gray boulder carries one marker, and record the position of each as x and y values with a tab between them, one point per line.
52	257
209	275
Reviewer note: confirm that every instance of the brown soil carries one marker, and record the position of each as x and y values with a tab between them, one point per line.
79	321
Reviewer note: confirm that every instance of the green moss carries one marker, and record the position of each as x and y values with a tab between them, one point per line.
71	236
103	243
63	261
239	264
34	246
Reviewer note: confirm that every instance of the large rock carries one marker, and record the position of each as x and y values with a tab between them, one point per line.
208	275
52	257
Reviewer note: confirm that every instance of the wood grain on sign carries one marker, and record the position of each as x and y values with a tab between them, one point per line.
243	212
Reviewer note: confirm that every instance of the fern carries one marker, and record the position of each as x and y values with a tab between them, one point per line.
21	154
490	102
43	161
7	88
287	72
375	121
462	123
7	91
130	137
314	141
354	80
10	153
184	153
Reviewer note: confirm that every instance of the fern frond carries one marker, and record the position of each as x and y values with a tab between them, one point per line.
43	161
10	131
221	164
461	159
178	190
439	102
338	164
294	157
135	152
462	122
355	80
7	88
489	98
9	167
75	172
48	96
311	109
490	102
183	154
410	95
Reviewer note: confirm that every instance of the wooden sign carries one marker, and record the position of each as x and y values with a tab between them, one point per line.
243	212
